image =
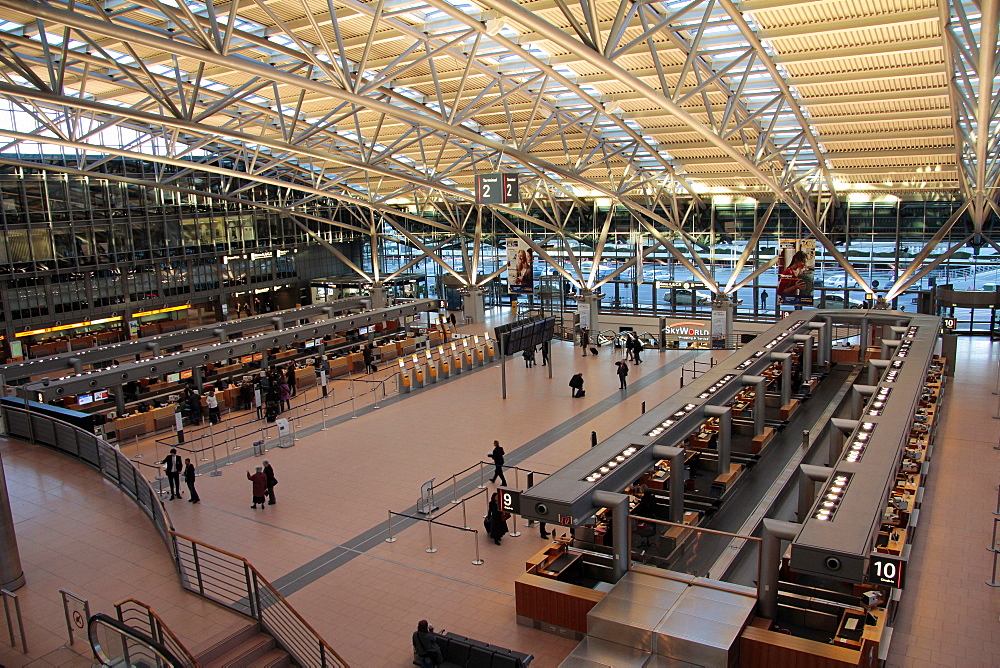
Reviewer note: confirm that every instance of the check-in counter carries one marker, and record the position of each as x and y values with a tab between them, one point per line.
355	362
388	352
543	601
305	377
130	425
844	355
339	366
407	346
161	418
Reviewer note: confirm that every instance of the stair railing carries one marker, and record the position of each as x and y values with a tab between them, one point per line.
232	581
137	615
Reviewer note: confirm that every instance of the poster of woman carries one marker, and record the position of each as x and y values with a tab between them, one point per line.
796	266
520	275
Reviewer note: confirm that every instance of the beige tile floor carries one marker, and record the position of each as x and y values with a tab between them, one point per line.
337	484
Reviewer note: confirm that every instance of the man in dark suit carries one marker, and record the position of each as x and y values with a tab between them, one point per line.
497	457
189	475
174	466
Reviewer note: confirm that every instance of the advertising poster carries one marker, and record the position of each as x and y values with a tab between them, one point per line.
720	322
796	265
520	276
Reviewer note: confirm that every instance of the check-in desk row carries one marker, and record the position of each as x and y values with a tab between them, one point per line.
899	519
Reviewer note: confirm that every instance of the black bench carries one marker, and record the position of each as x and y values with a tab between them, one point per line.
468	653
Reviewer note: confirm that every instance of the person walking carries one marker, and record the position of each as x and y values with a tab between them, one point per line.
497	457
529	357
584	339
576	382
271	482
636	348
173	464
189	476
368	352
259	481
622	372
545	353
212	402
290	379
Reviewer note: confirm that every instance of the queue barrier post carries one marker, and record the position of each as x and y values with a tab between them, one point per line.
993	548
515	533
138	455
465	519
454	489
229	462
517	484
354	414
215	462
997	511
390	539
201	447
430	538
482	480
475	541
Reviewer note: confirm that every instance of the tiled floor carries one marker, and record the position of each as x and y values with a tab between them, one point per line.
322	543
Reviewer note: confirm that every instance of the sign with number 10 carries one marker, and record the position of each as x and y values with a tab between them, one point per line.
886	569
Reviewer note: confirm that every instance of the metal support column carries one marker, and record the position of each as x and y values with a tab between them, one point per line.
807	355
785	387
676	457
618	503
770	563
859	397
837	440
11	574
808	476
725	415
875	369
759	382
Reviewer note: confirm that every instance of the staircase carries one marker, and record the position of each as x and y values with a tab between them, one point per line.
243	647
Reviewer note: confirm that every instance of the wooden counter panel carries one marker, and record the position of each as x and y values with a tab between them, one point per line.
760	648
554	602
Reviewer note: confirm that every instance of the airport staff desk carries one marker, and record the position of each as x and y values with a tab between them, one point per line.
843	572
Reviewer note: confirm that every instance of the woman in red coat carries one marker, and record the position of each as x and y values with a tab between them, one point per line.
259	481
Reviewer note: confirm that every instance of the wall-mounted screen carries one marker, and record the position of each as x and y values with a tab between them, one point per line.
82	399
100	395
173	378
186	373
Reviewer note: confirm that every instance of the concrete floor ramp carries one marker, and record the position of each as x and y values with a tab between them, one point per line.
674	620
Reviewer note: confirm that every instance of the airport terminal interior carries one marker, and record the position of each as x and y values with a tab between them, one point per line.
719	278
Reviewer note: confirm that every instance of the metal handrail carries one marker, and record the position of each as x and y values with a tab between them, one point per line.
137	648
232	581
94	451
7	595
141	617
264	603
